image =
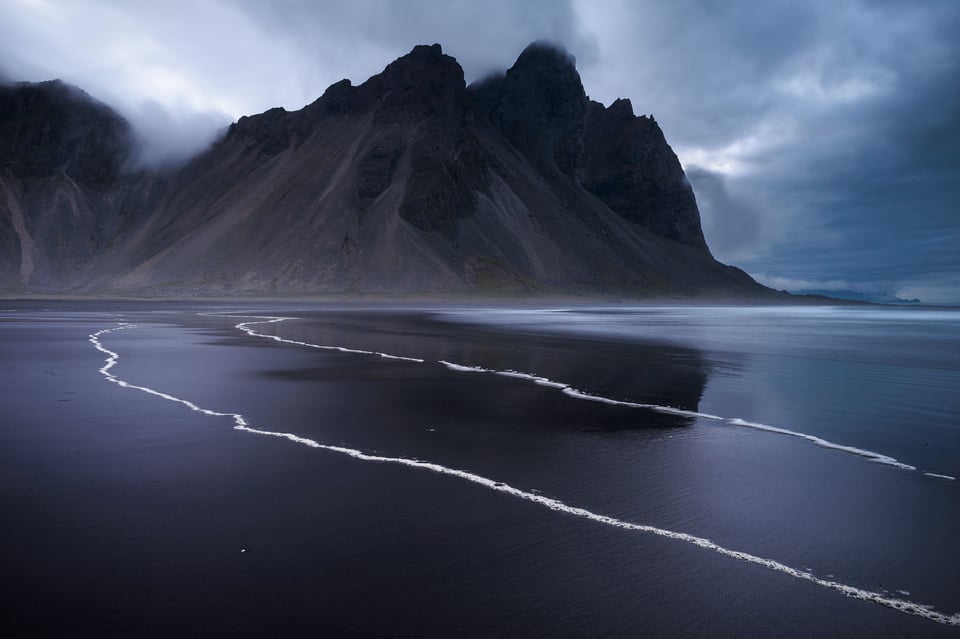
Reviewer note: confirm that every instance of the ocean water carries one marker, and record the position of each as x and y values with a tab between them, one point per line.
673	471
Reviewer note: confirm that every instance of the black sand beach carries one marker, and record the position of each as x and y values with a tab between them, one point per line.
126	514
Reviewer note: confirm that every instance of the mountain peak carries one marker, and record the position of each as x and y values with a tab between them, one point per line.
422	57
539	106
426	51
421	83
621	108
546	54
550	72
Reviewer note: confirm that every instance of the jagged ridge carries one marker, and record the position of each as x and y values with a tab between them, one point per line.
409	182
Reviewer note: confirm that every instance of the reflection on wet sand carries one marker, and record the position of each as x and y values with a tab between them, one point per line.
648	373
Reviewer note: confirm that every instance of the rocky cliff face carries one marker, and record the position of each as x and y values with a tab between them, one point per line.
629	165
52	127
65	187
409	182
539	106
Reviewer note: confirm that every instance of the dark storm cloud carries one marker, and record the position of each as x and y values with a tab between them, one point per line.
839	120
822	137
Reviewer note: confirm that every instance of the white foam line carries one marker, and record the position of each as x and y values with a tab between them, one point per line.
939	476
543	381
870	455
244	326
669	410
241	424
573	392
465	369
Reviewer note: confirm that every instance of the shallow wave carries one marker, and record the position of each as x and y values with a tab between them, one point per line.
241	424
819	441
342	349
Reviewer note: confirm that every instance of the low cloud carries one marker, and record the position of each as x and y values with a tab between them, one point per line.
942	288
794	284
165	138
939	288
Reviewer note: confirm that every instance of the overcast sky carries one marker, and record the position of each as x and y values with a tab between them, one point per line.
822	137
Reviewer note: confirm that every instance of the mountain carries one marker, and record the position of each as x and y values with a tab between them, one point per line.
410	182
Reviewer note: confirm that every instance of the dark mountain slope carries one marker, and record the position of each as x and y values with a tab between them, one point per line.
63	190
410	182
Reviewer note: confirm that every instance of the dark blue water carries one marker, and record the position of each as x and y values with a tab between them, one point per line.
818	438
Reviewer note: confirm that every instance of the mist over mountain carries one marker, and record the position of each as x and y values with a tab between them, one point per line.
411	182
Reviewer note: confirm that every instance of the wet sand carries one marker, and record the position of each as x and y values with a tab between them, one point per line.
131	515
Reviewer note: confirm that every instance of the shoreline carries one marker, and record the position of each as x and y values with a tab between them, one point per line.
781	299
